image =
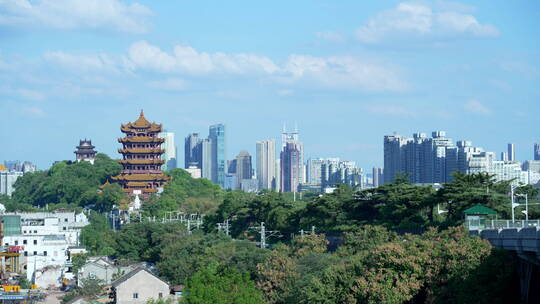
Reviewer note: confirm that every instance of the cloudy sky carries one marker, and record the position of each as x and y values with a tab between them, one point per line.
347	72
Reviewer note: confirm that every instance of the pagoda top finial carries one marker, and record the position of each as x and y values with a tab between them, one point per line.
142	114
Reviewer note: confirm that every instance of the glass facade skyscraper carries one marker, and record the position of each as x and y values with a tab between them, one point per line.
219	159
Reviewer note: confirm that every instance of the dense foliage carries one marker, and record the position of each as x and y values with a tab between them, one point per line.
370	261
69	184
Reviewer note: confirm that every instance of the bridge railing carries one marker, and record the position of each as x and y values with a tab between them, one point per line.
483	224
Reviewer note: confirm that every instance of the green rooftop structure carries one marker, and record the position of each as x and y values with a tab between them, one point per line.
479	210
476	216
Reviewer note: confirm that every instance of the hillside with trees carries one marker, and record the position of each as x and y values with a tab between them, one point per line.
359	251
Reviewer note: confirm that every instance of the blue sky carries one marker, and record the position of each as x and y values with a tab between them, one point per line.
347	72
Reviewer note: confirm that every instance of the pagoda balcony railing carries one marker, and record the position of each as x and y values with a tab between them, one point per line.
135	171
141	139
142	161
142	150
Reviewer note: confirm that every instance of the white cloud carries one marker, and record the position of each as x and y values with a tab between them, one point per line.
75	14
85	62
475	107
185	59
343	72
169	84
330	36
415	21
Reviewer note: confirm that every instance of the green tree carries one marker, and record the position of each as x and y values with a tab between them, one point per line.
221	285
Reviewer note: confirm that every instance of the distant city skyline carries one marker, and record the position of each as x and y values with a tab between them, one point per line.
382	66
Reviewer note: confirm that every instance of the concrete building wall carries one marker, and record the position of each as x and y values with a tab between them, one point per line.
140	288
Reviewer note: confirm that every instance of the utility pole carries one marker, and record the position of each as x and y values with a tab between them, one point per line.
261	229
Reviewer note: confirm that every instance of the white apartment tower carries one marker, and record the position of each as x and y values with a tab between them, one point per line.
266	164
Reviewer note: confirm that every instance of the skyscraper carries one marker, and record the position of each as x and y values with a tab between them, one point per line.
511	152
217	138
243	167
169	146
314	171
292	161
394	156
266	163
193	151
537	151
504	156
377	176
206	158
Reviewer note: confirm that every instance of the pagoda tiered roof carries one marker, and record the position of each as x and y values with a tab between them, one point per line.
141	123
141	151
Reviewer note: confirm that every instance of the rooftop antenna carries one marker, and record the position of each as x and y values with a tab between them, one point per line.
295	127
284	128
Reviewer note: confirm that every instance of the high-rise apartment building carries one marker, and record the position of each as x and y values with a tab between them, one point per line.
537	151
395	161
193	151
266	163
511	152
206	159
243	168
377	175
169	154
219	157
314	171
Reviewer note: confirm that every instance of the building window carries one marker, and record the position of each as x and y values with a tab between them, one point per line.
160	295
7	244
45	253
35	252
16	243
64	228
65	220
24	231
135	295
24	242
35	231
35	242
26	253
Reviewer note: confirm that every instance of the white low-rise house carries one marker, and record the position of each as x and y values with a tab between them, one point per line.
44	240
139	286
104	269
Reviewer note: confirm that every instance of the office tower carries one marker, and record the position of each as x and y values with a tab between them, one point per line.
511	152
291	166
330	172
504	156
243	167
193	151
291	161
266	163
169	148
537	151
377	177
314	171
278	175
394	156
217	138
7	180
85	151
231	166
206	158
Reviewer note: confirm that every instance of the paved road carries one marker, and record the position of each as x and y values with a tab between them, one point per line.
53	297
